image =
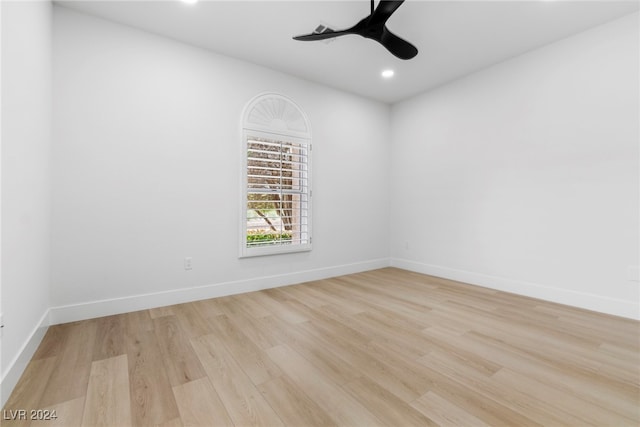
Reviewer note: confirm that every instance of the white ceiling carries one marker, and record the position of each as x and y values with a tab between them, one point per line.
454	38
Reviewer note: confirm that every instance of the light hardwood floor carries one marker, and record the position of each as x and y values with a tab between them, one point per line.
386	347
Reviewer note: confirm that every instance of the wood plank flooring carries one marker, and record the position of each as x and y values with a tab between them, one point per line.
385	347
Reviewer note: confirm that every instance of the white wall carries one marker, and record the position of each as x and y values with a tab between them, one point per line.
524	176
146	171
26	231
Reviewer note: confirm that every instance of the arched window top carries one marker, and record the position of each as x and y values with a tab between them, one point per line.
271	112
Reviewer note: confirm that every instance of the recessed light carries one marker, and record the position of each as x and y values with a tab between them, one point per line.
387	74
189	1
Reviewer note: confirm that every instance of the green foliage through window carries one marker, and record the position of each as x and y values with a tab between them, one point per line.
259	238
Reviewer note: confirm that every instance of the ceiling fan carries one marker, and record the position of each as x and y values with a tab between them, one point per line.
373	27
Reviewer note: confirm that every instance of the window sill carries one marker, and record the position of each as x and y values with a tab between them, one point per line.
272	250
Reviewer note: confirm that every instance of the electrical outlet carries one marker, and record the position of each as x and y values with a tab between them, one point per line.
188	263
633	273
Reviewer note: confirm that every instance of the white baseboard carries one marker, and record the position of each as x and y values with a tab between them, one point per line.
616	307
19	363
92	309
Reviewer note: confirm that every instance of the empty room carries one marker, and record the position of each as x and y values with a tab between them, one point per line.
320	213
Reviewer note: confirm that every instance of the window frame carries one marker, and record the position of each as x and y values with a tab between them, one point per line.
285	136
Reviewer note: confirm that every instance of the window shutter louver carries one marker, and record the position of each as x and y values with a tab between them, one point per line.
277	191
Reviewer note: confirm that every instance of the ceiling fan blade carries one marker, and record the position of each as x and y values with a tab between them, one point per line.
384	11
397	46
322	36
373	27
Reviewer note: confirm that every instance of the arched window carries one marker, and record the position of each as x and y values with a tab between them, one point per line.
276	177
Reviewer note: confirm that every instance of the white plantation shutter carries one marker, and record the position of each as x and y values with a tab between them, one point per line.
276	202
